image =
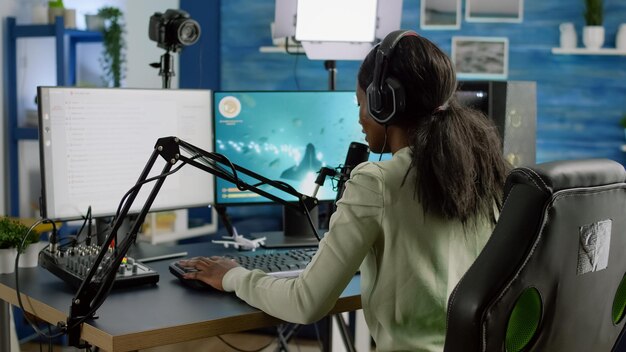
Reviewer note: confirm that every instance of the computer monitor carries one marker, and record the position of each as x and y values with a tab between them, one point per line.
95	142
285	136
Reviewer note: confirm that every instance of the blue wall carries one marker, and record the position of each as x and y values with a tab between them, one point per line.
580	98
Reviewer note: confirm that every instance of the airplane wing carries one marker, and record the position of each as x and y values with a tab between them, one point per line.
226	243
260	240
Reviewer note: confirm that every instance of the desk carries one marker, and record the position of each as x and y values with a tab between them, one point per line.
149	316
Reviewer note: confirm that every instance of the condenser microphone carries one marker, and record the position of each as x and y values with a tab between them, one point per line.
357	153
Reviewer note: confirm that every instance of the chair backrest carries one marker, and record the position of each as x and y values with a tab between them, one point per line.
551	277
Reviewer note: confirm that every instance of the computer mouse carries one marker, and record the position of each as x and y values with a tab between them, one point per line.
179	271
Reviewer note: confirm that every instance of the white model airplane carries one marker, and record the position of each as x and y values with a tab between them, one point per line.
239	241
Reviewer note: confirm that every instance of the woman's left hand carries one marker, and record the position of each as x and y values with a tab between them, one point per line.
210	270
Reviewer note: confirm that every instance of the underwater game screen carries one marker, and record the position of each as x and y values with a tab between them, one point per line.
284	136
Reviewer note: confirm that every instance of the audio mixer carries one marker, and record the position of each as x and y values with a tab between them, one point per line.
72	266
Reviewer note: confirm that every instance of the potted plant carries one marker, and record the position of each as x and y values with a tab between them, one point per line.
29	253
622	123
55	9
94	23
593	32
113	60
12	233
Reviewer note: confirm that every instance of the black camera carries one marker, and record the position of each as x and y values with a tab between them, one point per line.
173	29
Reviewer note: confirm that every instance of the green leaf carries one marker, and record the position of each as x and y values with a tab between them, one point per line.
593	12
113	59
12	233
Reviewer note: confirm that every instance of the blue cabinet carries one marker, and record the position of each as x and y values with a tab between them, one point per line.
66	41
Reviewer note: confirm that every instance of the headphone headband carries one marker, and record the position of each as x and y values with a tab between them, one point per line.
392	39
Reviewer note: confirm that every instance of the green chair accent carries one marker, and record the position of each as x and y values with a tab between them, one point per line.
524	320
619	303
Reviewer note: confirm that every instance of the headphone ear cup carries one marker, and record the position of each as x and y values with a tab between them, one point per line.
376	104
397	96
374	100
389	101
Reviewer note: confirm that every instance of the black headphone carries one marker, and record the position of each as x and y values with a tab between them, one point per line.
385	95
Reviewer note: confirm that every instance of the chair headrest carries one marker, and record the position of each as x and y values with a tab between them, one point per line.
558	175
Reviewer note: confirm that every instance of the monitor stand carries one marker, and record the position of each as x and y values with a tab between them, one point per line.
296	232
103	227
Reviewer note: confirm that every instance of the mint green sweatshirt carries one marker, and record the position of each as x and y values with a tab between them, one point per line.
410	262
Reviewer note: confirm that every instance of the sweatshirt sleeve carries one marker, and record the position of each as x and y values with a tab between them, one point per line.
307	298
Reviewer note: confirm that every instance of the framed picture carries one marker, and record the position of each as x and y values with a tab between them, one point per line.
494	11
481	57
440	14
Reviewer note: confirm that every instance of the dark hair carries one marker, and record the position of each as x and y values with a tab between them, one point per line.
456	150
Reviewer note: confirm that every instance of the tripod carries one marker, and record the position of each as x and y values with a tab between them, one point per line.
166	68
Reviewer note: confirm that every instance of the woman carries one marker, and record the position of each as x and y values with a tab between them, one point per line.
413	224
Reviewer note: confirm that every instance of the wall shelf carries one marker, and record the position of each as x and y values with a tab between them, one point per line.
27	133
292	49
585	51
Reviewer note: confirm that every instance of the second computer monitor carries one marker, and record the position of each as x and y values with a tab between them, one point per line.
285	136
95	142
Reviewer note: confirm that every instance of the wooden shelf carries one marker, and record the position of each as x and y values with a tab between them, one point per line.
585	51
293	49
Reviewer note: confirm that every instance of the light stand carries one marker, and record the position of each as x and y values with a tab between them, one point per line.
331	67
96	286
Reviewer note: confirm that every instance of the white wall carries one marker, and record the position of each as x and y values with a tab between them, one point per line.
36	66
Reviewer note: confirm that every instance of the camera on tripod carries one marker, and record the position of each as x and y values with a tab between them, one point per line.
173	29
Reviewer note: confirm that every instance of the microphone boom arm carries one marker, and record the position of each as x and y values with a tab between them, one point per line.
92	293
212	167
